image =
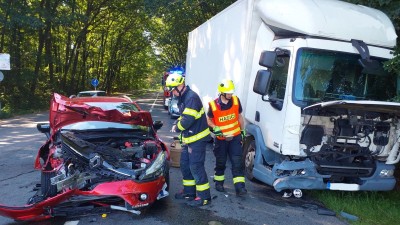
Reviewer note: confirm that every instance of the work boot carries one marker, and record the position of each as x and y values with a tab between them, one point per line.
241	191
199	202
187	196
219	186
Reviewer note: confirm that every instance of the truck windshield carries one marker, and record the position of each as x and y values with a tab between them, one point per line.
322	75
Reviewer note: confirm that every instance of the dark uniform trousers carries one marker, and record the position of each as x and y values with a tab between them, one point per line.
232	149
192	168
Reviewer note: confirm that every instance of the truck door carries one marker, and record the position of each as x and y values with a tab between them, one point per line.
272	112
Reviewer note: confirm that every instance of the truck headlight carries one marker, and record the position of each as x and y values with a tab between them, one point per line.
386	173
156	167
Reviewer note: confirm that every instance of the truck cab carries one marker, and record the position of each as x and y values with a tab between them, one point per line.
320	110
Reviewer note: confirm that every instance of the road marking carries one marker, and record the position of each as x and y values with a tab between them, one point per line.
75	222
152	106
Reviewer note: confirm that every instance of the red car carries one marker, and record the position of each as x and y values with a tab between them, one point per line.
101	154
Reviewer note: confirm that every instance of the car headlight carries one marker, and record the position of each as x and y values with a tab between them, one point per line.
156	168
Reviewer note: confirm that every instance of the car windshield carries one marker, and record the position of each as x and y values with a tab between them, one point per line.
123	107
95	125
91	93
322	75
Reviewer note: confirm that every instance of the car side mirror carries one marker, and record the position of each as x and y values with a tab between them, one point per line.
44	128
157	124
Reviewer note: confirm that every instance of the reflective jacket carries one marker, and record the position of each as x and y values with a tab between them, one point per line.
192	122
227	120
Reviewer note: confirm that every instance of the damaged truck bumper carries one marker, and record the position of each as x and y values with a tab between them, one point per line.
304	175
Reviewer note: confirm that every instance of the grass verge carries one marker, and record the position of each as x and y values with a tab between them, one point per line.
371	208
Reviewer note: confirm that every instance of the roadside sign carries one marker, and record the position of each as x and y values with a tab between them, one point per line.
95	82
4	61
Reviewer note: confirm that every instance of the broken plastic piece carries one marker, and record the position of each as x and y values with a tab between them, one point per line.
348	216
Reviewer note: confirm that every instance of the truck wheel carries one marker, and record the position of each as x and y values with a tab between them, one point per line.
249	157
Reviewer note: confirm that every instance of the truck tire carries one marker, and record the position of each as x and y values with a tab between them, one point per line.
249	155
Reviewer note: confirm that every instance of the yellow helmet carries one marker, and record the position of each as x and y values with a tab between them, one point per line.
174	80
226	86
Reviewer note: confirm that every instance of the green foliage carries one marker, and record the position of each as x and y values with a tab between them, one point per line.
378	208
392	9
126	44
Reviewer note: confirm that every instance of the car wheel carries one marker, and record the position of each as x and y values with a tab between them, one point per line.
48	190
249	155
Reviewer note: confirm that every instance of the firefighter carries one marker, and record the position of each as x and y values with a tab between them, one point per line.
195	135
224	117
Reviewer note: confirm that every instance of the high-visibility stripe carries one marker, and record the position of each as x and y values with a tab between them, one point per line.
189	182
194	113
219	178
203	187
180	127
232	132
238	179
196	137
213	106
235	100
229	125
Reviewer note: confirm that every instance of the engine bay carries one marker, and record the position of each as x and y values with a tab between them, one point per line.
82	161
346	142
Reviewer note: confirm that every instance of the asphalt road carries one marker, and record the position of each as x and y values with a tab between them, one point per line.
19	142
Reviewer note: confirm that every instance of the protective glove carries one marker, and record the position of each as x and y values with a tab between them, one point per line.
243	133
217	131
180	138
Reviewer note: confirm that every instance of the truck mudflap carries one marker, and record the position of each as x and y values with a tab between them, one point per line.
303	175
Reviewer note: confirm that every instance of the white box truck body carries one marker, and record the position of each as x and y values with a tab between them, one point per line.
318	106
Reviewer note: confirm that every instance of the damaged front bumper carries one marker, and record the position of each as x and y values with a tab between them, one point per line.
304	175
135	195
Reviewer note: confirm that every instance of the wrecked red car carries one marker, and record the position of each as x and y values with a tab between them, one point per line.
102	154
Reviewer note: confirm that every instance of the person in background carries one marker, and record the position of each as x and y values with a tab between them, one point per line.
194	136
225	119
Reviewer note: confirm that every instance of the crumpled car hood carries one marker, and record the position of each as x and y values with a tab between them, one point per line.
65	111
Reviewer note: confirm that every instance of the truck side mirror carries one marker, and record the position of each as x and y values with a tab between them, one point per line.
261	83
267	59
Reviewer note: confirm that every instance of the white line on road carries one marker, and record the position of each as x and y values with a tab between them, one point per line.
152	106
75	222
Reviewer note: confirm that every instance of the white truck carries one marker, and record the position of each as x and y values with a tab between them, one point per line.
317	103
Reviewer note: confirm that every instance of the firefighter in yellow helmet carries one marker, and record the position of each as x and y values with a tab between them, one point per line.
224	117
195	134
